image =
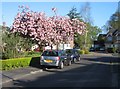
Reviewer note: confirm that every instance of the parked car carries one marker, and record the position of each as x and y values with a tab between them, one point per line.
73	54
56	58
92	49
102	49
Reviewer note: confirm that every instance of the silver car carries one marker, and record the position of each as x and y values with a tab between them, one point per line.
53	58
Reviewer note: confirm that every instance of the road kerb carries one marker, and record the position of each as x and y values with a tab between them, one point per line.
34	72
6	81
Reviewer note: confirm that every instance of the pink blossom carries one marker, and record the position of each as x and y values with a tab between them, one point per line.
42	28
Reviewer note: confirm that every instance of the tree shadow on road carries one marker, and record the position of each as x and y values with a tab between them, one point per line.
104	59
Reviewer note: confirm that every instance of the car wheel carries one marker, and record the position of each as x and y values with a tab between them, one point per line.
65	62
69	62
74	60
61	65
78	59
44	68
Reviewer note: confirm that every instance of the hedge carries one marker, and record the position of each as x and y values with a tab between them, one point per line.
81	51
14	63
86	51
32	54
110	50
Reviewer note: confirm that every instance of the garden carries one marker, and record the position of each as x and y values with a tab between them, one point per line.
30	28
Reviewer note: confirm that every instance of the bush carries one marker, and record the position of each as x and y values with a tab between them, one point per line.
32	54
0	64
82	52
86	51
14	63
110	50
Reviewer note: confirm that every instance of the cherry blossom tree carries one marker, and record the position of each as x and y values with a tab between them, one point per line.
43	29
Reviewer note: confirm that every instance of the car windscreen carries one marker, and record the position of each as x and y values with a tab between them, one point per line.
69	51
50	53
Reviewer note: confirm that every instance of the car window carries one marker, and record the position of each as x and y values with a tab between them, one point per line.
50	53
60	53
75	52
63	53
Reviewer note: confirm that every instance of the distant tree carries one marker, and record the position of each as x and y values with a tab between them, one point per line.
86	40
74	14
85	13
114	22
93	32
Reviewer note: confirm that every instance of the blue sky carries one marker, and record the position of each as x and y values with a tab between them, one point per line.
100	11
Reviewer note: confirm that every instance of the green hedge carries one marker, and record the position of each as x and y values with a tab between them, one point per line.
32	54
81	51
110	50
84	52
22	54
14	63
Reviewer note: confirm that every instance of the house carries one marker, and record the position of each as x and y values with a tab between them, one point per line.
96	45
62	46
113	40
101	40
116	39
99	44
69	44
109	40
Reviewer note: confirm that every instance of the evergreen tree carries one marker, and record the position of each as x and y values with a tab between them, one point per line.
74	14
92	31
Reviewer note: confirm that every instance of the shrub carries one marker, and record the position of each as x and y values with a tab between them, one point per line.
86	51
110	50
81	51
32	54
0	64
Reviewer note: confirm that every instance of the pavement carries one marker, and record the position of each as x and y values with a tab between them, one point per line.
15	74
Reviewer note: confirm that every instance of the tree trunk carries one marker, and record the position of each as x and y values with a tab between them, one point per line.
41	48
57	46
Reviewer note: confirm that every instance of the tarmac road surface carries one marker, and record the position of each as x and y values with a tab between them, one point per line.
98	70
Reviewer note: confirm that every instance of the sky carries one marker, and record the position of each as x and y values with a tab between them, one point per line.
100	11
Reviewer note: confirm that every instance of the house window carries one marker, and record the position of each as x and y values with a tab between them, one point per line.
109	38
118	38
109	46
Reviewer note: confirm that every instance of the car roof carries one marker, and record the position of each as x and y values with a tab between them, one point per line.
55	50
70	49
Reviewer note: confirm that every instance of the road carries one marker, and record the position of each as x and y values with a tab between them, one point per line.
95	70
